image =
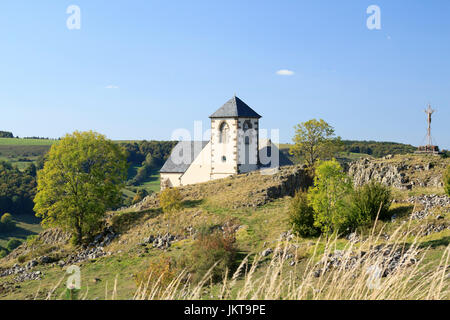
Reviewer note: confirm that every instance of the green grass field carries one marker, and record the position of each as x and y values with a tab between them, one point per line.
25	142
153	182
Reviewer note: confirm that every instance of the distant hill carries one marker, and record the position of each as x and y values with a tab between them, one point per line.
354	149
377	149
6	134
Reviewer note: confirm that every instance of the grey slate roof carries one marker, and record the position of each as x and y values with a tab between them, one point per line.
177	163
235	107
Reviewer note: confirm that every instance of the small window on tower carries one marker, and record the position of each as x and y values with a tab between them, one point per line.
247	125
224	159
223	133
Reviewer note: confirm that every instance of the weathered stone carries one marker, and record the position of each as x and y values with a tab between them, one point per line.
266	252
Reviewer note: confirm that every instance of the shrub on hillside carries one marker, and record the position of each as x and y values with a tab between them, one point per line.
170	200
368	199
6	222
329	198
3	253
13	244
6	218
140	195
162	271
212	247
447	180
301	216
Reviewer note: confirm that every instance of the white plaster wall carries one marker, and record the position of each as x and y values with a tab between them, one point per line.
220	150
200	169
173	178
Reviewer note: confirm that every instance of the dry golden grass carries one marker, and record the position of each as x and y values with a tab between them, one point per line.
351	280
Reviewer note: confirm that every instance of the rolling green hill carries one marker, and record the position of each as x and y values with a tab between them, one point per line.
255	207
25	142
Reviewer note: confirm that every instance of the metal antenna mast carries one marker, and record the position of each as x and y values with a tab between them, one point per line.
429	112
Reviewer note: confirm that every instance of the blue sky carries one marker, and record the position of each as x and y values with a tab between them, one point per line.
140	69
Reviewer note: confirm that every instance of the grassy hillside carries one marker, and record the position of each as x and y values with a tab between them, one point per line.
241	203
25	142
26	226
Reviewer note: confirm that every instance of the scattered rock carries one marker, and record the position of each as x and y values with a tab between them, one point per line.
353	237
266	252
286	236
428	202
22	273
31	264
389	261
162	242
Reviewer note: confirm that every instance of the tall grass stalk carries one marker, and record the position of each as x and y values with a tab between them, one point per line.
347	281
277	279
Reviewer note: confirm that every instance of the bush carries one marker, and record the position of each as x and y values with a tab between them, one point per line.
301	216
140	195
170	200
212	247
366	202
6	218
3	253
13	244
447	180
162	270
32	239
6	222
329	198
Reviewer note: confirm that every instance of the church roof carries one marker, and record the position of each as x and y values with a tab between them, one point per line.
177	163
234	108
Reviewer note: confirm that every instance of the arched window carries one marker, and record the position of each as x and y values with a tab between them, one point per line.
247	126
223	132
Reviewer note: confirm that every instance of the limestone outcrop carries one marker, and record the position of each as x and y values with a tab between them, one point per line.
403	172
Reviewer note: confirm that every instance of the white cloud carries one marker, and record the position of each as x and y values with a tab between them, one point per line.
111	86
285	72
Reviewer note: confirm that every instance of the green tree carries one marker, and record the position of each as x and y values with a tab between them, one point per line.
446	179
301	216
6	134
329	197
6	222
6	218
82	178
314	140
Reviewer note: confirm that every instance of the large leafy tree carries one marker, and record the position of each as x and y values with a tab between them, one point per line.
314	140
82	178
329	197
